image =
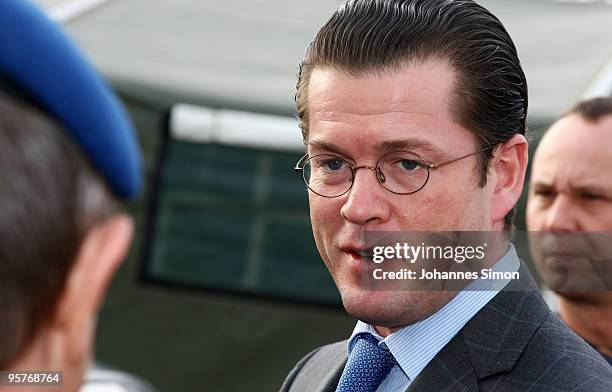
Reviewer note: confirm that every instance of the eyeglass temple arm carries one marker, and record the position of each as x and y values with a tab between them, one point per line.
299	166
434	165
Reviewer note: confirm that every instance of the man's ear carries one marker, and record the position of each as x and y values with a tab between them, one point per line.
102	251
509	168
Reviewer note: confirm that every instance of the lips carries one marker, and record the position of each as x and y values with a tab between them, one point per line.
562	254
560	244
354	251
354	257
358	251
359	248
366	253
559	258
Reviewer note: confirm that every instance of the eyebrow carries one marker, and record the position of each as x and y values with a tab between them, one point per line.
541	186
326	146
574	189
386	146
407	144
596	189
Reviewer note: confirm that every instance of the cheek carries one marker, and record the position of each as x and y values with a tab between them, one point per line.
322	211
455	204
324	217
599	219
532	216
608	218
440	212
459	202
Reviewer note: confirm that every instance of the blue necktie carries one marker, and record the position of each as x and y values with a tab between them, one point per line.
367	365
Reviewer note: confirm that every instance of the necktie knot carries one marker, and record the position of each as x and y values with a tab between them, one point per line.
367	366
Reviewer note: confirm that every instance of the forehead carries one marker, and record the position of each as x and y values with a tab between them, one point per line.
412	84
576	149
413	102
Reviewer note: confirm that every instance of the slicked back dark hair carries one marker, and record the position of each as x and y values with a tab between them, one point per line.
364	36
593	109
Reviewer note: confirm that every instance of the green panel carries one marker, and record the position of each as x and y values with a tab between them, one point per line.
294	267
236	219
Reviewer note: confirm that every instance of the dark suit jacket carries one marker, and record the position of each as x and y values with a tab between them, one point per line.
514	343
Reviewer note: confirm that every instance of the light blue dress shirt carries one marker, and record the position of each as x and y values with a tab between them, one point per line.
414	346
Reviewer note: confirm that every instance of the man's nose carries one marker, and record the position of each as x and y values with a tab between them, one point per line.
367	201
561	216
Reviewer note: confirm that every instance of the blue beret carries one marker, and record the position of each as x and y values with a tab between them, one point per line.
40	59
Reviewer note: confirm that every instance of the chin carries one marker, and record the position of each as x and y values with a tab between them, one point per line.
368	306
392	309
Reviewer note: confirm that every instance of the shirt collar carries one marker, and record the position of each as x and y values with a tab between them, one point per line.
416	345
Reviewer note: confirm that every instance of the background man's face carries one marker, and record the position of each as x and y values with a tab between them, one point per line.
571	191
355	117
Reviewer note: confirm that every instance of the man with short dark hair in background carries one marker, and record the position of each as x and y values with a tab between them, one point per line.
413	115
570	208
67	150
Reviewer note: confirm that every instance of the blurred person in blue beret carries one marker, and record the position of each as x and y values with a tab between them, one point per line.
67	153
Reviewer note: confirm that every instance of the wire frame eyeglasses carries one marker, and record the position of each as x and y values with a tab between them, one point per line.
399	172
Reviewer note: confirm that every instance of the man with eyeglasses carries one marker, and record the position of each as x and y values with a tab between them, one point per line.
569	213
413	115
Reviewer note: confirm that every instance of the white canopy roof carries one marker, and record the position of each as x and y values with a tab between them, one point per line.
243	54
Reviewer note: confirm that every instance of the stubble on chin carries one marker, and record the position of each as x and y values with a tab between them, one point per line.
393	309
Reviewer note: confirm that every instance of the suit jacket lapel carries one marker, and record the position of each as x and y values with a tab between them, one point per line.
323	372
330	381
490	343
450	370
499	333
